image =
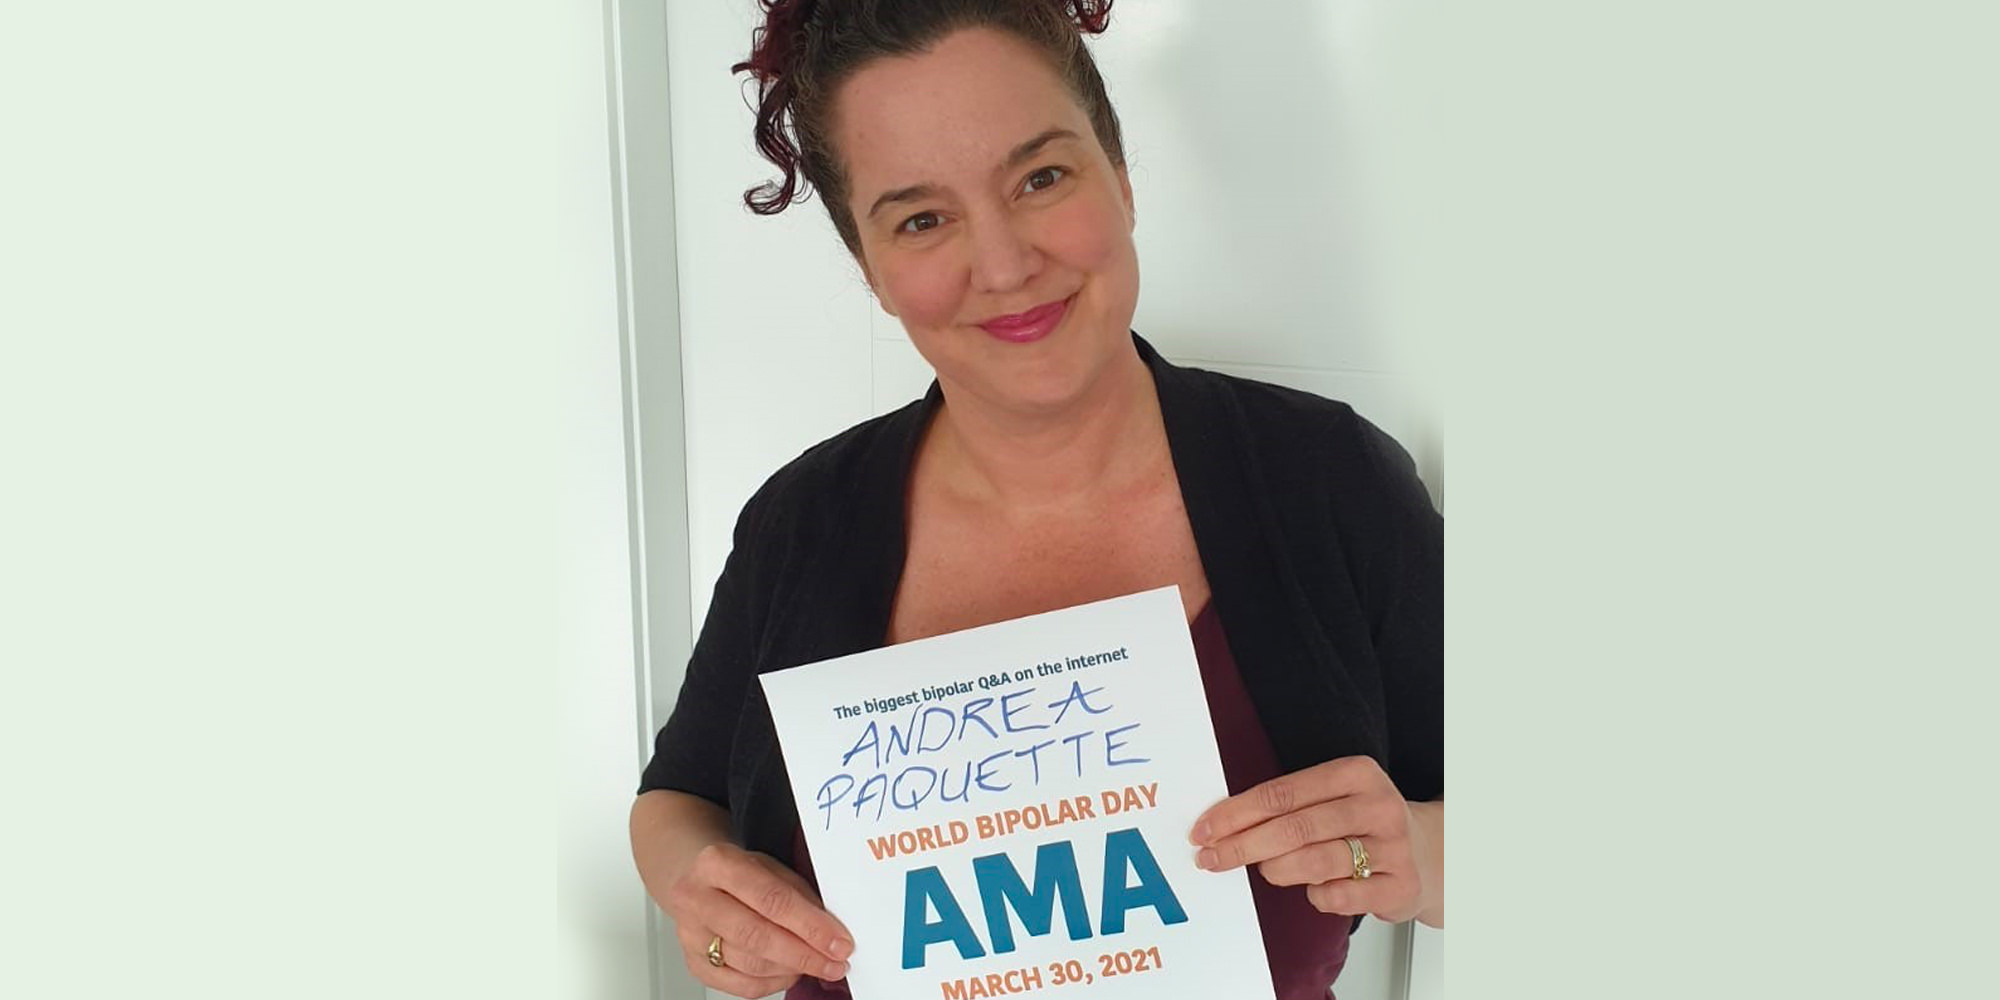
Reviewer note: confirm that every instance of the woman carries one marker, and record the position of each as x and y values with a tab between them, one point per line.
972	163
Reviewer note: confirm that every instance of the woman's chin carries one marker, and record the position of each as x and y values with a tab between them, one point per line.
1051	374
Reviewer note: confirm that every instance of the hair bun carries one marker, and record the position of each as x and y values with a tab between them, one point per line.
773	43
1091	16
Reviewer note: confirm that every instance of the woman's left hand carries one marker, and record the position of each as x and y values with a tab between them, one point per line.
1293	828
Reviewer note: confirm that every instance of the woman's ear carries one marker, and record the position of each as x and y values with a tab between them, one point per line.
868	275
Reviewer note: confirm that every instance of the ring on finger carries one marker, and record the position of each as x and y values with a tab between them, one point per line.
1359	854
715	951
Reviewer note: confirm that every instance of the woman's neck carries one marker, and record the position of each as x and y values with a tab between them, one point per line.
1111	438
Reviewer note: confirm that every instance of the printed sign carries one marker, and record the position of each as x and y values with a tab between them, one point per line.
1005	810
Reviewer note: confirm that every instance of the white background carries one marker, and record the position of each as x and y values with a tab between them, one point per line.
309	328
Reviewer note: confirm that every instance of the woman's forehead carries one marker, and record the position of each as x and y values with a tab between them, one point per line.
967	104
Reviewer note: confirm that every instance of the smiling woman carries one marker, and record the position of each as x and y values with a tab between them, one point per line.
970	161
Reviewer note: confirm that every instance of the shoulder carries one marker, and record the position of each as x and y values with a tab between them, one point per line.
1297	436
1340	496
831	477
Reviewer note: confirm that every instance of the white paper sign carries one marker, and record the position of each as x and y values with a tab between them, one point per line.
1005	810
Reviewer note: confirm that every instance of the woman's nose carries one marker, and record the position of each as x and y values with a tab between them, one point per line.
1003	257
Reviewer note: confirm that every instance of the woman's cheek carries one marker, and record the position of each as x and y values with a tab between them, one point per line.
930	296
1093	238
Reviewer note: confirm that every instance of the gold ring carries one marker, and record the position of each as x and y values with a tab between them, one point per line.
1360	855
715	952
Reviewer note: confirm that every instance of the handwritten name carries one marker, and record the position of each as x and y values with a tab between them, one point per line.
951	752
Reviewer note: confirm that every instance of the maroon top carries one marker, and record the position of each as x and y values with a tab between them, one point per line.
1306	948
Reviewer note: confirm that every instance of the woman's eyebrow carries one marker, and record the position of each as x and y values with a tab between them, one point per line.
1021	153
1028	149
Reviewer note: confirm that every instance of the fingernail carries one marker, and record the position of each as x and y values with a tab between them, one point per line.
835	970
841	948
1200	834
1206	859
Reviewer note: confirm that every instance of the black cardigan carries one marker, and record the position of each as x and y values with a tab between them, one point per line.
1323	554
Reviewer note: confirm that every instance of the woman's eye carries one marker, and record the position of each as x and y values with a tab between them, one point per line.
919	222
1044	178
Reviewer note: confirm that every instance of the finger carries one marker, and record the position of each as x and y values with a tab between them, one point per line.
728	978
747	934
1331	860
694	941
797	881
1284	794
1390	897
1281	835
786	902
778	869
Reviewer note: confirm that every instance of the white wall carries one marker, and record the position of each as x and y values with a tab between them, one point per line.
311	404
603	949
601	928
1252	238
775	319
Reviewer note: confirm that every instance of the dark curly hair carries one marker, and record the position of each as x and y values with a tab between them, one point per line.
807	48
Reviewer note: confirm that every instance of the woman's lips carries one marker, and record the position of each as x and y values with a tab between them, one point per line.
1028	326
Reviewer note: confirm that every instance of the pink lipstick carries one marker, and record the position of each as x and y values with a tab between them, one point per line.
1027	327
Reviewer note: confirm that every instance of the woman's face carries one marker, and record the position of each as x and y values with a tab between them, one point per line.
981	193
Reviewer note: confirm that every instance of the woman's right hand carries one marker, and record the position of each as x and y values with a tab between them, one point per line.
773	926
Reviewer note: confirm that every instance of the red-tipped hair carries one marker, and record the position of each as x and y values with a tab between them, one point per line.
773	47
